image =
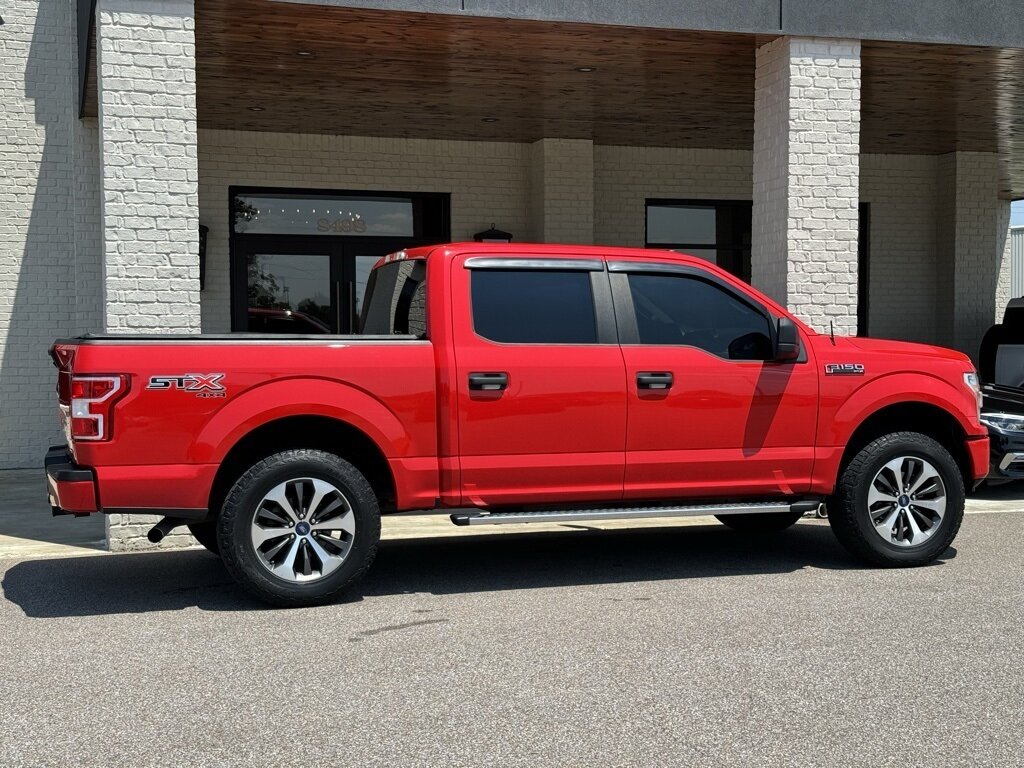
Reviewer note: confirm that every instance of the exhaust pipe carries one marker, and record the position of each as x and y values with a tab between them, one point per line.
157	532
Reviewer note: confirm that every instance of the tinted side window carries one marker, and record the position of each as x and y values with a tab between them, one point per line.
395	300
687	311
533	306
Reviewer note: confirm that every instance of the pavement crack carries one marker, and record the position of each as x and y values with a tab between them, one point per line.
394	628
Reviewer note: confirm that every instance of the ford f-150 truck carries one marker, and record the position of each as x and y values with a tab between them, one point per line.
517	384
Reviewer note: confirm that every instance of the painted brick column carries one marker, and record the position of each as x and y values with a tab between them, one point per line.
973	249
562	191
807	177
148	167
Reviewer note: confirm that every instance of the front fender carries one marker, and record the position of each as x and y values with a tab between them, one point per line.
893	389
280	399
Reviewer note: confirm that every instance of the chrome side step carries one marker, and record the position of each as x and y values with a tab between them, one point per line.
629	513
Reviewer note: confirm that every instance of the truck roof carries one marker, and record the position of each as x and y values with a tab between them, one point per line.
451	250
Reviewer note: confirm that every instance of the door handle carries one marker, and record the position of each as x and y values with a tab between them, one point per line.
652	380
488	382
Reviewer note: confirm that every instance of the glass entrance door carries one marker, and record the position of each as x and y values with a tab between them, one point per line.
303	285
300	259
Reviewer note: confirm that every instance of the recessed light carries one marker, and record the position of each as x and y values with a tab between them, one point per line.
303	53
488	119
585	69
896	135
257	109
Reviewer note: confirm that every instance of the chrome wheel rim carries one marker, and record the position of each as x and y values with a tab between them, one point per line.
907	501
303	529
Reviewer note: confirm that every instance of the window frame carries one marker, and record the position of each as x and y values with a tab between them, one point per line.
625	311
600	291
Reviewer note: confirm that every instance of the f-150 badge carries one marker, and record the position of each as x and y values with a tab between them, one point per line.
199	384
844	369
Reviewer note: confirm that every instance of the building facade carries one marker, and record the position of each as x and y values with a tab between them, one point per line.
230	165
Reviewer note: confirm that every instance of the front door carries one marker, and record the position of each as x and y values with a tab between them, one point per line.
540	386
709	414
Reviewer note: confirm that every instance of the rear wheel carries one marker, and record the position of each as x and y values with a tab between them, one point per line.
299	528
899	502
770	522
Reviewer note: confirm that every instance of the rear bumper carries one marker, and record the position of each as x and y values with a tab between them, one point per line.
71	488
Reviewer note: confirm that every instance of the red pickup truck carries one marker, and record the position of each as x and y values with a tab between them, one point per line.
517	384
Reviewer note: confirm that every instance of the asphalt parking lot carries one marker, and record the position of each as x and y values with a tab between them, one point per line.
669	646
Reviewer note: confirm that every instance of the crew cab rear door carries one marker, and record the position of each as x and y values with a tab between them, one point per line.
541	384
709	413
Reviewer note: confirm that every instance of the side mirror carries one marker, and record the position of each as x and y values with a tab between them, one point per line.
787	341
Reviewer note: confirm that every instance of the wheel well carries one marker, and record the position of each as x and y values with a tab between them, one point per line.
316	432
927	419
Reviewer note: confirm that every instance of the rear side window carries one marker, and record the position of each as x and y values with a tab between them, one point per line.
673	309
533	306
396	300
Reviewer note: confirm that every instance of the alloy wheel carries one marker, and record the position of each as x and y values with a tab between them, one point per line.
303	529
906	501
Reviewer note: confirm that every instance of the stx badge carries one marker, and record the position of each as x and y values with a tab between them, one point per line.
199	384
844	369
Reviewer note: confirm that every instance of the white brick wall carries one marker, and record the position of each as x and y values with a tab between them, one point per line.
37	226
147	107
562	191
806	180
488	181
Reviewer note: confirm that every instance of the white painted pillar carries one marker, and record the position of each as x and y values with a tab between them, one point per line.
149	184
807	177
149	164
973	249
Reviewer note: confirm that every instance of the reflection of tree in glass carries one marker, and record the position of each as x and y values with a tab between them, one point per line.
264	290
313	308
244	213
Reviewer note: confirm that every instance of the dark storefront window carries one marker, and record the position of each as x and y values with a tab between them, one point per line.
717	230
301	258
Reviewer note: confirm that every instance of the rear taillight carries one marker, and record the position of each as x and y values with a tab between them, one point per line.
92	405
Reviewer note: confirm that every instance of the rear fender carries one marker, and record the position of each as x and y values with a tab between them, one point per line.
300	397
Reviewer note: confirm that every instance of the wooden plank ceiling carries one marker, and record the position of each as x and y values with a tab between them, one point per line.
270	66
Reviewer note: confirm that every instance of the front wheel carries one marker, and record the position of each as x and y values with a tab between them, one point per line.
299	528
899	502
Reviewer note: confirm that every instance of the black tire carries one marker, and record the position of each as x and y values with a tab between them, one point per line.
206	534
239	553
848	512
770	522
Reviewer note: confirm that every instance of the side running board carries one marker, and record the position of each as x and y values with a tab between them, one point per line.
629	513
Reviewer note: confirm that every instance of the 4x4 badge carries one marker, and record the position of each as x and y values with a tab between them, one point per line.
844	369
199	384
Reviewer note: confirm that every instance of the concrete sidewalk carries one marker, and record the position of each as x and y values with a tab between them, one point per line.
27	529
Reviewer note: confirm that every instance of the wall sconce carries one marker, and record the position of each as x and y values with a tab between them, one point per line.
493	235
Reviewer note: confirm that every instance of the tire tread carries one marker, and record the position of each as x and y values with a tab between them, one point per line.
238	569
843	512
